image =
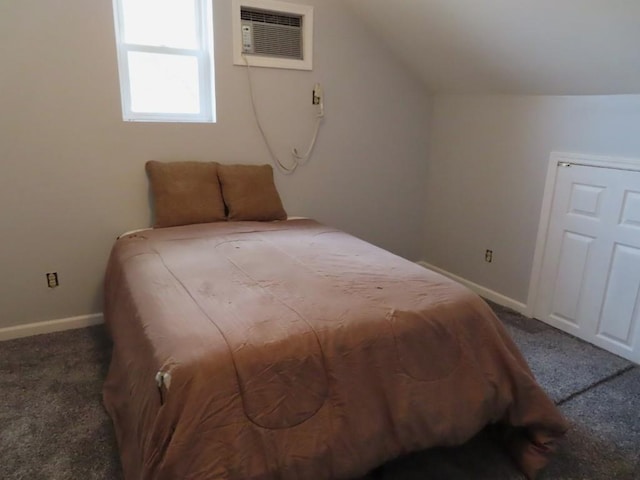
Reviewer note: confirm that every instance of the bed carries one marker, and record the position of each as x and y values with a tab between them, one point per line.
249	346
292	350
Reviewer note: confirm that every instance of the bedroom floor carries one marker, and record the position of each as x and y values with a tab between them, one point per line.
54	426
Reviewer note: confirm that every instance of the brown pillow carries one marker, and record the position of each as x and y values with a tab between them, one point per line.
185	192
249	192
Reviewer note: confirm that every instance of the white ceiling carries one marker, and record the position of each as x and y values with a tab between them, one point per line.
549	47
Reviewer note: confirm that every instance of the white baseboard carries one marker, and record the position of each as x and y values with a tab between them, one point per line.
480	290
50	326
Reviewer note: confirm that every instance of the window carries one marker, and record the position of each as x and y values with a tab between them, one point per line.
165	59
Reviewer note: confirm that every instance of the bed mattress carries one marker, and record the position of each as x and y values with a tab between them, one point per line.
292	350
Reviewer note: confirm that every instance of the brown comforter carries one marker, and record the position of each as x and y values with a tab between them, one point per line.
292	350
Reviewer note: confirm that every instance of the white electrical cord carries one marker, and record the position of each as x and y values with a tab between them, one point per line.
296	157
294	152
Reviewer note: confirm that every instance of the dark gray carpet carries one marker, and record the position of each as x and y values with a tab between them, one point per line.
53	426
561	363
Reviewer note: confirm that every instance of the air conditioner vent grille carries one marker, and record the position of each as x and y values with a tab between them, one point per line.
274	34
273	18
277	41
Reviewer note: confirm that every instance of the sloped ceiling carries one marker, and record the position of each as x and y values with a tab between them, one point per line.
548	47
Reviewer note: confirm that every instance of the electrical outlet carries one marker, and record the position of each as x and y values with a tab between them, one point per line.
316	95
488	256
52	280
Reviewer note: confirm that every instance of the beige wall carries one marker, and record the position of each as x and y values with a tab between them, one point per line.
486	174
544	47
71	171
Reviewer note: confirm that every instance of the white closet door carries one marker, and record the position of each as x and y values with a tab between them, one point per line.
590	277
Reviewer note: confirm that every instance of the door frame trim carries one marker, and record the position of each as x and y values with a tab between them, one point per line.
601	161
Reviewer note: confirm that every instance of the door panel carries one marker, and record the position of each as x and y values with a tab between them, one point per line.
631	209
586	200
589	283
620	309
573	260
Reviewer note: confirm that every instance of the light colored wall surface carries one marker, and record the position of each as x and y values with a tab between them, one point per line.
545	47
486	174
71	171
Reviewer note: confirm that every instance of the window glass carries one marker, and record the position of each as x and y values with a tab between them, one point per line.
163	83
165	60
169	23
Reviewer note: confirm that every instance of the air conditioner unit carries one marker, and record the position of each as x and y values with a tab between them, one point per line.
272	34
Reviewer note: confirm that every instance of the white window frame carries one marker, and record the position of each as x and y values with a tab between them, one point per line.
203	54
